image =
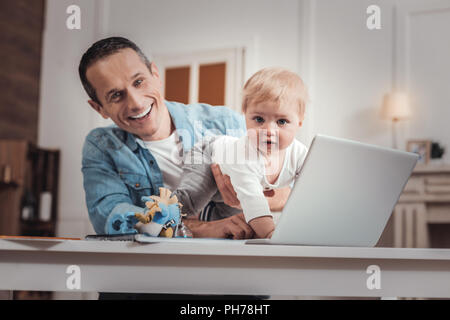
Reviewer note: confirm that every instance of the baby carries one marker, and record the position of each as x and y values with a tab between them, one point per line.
268	157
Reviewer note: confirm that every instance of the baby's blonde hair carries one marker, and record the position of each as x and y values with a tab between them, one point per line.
276	85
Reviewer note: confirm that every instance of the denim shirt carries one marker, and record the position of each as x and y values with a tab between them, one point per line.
117	171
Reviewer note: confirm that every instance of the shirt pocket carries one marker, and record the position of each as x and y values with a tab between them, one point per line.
138	186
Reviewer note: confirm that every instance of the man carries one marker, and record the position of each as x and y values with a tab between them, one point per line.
118	166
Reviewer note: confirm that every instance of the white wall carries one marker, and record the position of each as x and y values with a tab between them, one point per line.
351	68
167	26
65	117
423	67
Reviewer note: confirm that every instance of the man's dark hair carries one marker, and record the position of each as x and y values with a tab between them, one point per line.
102	49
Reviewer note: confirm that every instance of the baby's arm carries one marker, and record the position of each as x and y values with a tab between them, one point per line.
262	226
250	193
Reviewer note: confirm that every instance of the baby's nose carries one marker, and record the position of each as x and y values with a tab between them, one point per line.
270	130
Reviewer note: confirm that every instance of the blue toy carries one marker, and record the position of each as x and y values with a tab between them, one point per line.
162	216
122	223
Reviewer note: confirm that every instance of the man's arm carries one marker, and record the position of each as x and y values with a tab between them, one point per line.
197	185
106	193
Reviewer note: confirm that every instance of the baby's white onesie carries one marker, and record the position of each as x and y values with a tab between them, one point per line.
240	159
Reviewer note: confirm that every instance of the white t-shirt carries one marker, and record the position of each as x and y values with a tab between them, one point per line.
245	165
167	153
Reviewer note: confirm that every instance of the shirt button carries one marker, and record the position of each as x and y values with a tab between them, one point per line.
152	162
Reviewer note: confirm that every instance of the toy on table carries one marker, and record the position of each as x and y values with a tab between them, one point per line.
161	217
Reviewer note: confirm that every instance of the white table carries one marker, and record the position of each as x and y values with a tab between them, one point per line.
222	268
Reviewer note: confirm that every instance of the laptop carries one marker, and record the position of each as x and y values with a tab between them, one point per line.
344	195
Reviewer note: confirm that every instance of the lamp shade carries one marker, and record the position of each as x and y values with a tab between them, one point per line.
396	106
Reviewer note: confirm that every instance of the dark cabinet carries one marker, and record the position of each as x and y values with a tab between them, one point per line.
28	189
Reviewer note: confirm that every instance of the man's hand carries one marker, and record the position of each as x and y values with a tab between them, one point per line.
225	187
233	227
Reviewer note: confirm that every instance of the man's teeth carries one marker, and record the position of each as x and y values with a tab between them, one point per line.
143	114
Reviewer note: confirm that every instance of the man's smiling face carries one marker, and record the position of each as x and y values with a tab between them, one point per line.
129	94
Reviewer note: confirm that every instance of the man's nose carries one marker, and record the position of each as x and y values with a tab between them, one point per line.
134	101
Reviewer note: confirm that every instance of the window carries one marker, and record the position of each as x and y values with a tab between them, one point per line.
214	77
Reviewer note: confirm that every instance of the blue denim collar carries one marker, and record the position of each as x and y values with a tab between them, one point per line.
131	141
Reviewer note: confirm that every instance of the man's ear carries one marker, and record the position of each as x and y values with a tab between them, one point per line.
155	73
154	70
99	108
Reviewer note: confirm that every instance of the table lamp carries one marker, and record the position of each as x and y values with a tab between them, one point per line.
395	107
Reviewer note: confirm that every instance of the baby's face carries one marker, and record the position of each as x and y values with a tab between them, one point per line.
273	127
